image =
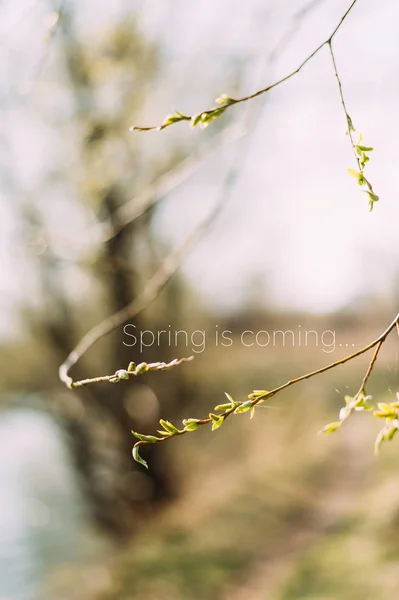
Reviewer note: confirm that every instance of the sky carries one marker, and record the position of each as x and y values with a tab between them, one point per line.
295	230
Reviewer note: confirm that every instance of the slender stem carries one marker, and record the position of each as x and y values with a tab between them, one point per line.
381	338
154	286
342	20
377	343
134	371
348	119
303	63
362	388
232	101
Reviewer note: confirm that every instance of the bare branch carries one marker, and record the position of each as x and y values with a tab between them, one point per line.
133	370
136	207
148	295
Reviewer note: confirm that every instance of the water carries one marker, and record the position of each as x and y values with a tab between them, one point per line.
46	545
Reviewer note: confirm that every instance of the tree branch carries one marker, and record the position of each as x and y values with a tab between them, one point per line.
359	151
137	206
224	102
148	295
133	370
358	402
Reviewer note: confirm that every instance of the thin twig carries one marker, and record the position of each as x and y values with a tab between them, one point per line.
381	338
348	118
228	102
133	210
362	389
148	295
358	151
138	205
258	397
133	370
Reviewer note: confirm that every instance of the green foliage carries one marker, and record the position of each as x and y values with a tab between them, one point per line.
331	427
362	158
216	420
358	402
138	458
387	411
203	119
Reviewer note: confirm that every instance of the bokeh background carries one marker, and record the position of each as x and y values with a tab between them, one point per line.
262	508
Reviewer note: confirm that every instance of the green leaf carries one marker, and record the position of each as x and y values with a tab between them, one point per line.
168	426
214	417
354	173
364	406
373	197
361	402
190	424
350	124
208	116
229	398
138	458
170	119
244	407
122	374
224	99
215	114
384	411
195	120
384	406
364	148
223	406
331	427
257	393
364	159
217	421
149	439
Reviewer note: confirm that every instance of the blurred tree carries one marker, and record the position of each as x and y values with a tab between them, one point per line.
99	81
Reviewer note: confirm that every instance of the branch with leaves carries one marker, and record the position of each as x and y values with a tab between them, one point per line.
133	209
360	151
224	102
360	401
129	212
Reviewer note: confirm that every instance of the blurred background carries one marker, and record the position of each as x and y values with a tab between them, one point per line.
263	508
